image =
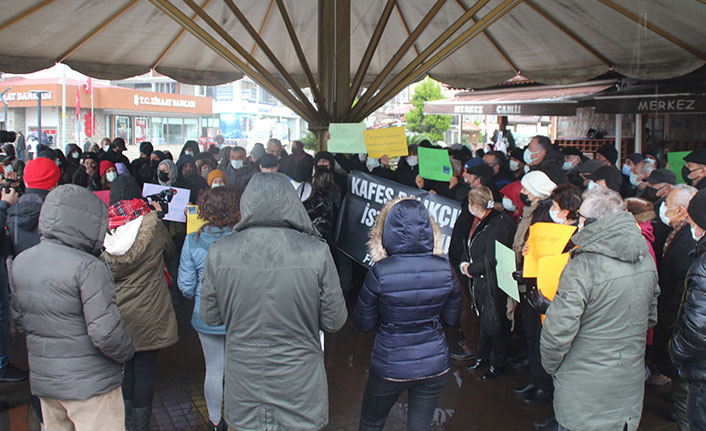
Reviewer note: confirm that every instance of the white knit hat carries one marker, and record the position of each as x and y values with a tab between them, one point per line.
538	183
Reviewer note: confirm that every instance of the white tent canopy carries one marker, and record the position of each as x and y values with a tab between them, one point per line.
489	41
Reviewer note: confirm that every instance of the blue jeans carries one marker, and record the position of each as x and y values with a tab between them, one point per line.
380	395
696	405
4	312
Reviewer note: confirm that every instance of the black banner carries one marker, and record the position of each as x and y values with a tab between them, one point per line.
365	197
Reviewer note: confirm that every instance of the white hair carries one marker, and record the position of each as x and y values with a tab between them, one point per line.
274	142
682	194
647	168
600	202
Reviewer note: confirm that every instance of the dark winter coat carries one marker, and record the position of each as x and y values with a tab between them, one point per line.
406	174
305	167
322	207
407	294
239	178
274	284
114	157
287	166
17	165
81	178
23	220
63	298
552	166
195	183
688	346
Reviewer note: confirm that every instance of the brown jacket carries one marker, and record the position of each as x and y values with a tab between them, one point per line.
136	253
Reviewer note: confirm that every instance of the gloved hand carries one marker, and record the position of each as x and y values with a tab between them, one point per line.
537	300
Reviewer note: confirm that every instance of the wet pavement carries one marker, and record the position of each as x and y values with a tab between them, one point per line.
467	402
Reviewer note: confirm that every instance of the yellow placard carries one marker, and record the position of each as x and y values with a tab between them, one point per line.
193	221
545	239
390	140
550	269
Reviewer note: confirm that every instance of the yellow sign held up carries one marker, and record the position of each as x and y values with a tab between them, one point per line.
390	140
193	221
545	239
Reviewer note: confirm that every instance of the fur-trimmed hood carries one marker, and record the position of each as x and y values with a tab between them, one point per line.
127	243
407	228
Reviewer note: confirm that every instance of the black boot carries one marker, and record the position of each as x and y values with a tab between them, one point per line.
141	417
220	427
479	363
129	415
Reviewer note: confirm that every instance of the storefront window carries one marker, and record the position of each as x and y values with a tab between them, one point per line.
191	129
122	128
142	131
159	131
175	131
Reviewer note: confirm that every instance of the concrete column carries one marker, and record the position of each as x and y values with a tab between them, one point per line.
638	133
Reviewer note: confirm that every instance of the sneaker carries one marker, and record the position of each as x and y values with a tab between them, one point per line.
8	373
658	380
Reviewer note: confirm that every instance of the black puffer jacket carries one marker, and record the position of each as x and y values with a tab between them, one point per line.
688	345
23	220
322	207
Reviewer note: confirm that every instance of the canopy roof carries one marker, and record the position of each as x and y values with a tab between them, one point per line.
335	47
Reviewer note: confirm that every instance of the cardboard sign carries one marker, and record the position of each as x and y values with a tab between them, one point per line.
550	269
545	239
104	195
346	138
193	220
176	206
505	258
434	164
390	140
676	162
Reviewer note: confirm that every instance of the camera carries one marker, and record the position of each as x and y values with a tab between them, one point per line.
162	198
6	136
5	183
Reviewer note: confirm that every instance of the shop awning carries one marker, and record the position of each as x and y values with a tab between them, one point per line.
536	100
673	103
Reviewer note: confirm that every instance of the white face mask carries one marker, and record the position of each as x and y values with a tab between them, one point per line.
236	164
111	176
663	214
362	157
189	153
214	185
514	165
634	179
555	217
697	238
372	163
75	155
528	156
567	166
508	205
592	185
412	161
526	168
580	226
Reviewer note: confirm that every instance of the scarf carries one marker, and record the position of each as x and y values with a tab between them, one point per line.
126	211
671	235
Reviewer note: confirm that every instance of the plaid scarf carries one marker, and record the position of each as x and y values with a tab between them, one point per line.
126	211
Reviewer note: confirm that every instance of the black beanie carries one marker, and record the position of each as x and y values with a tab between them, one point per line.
124	188
146	148
697	208
609	152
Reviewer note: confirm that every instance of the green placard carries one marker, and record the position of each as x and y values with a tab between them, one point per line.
505	259
434	164
346	138
676	162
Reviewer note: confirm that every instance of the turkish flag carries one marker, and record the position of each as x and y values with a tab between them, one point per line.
78	104
88	86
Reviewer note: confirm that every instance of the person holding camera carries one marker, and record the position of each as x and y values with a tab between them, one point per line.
136	249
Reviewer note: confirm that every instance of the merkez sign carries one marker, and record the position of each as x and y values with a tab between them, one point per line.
665	104
366	196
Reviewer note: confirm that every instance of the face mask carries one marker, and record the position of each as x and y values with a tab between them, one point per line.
236	164
583	222
652	161
634	179
412	161
555	217
528	156
321	168
514	165
508	205
372	163
525	200
627	170
526	169
592	185
217	185
205	173
111	176
650	194
8	168
362	157
163	176
189	153
567	166
697	238
75	155
663	214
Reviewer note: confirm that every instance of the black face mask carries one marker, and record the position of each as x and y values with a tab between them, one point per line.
321	168
685	172
525	200
163	176
650	194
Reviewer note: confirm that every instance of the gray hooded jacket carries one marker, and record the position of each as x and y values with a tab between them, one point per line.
64	299
273	283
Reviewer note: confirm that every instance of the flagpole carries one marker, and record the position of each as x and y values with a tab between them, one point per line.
93	119
63	106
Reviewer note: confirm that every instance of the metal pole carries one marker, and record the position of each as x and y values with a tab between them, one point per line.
63	106
38	94
5	103
638	133
618	135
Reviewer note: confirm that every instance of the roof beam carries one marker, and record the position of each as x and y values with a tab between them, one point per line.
24	14
202	35
370	50
406	27
96	30
648	25
393	88
171	44
302	59
570	33
262	27
398	56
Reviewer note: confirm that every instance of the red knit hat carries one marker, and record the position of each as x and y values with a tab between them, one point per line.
105	165
41	173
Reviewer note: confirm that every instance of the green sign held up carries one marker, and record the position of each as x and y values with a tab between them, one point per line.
434	164
676	162
346	138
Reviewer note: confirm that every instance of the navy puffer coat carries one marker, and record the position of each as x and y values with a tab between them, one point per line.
407	294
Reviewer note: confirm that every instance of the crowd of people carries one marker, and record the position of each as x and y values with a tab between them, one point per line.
94	287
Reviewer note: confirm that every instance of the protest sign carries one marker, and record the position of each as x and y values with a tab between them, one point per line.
346	138
193	220
434	164
104	195
549	272
676	162
545	239
505	258
365	197
390	140
176	206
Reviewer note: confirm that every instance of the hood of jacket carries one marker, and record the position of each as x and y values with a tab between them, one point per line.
404	227
74	216
616	236
25	213
128	243
211	235
9	151
70	148
269	200
173	172
190	145
183	160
